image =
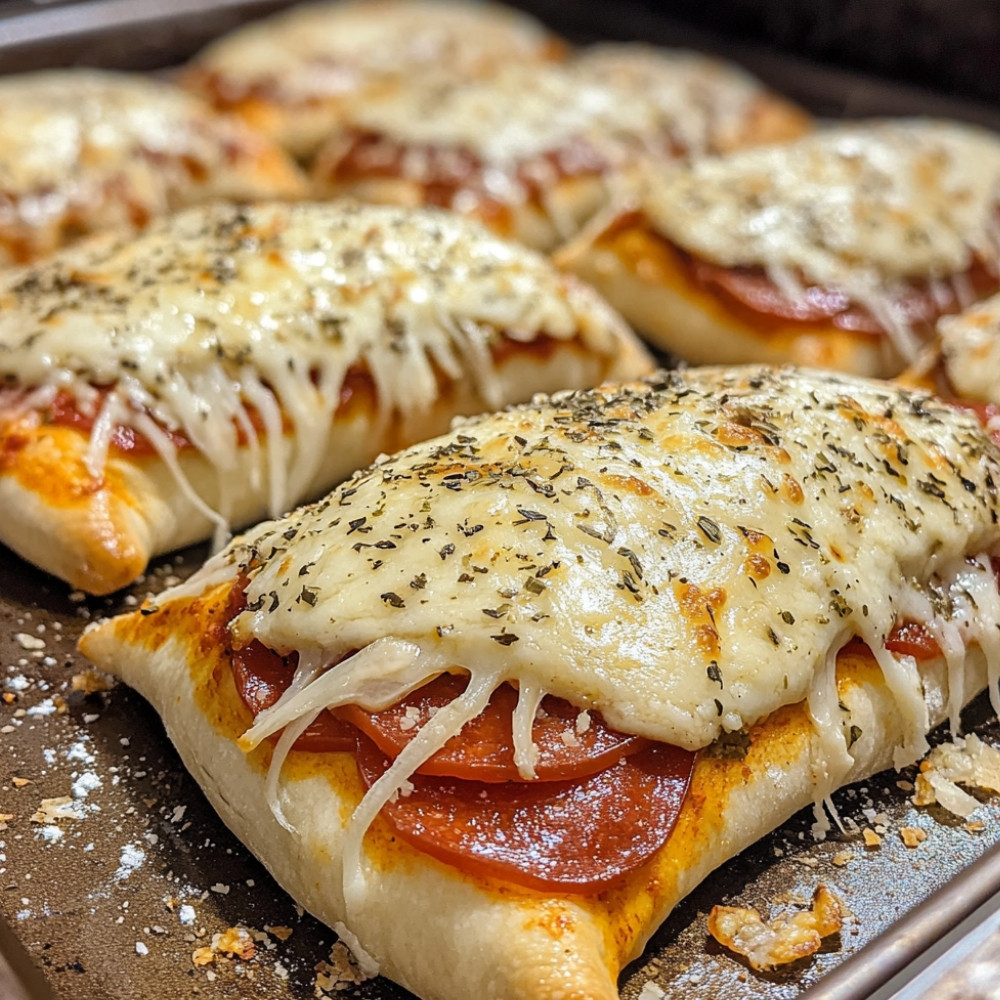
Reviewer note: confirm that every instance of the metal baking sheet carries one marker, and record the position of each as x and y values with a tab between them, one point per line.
114	900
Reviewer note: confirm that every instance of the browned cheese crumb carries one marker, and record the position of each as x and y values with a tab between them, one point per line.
341	970
90	682
872	839
235	941
53	810
785	939
912	836
969	762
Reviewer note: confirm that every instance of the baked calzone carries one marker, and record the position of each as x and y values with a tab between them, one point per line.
840	249
232	361
293	75
539	676
534	151
84	150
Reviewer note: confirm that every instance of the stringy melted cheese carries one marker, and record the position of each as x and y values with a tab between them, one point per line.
970	349
614	103
220	309
333	49
858	208
682	556
69	136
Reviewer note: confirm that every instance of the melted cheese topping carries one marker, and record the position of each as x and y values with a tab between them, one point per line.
333	49
219	309
66	136
970	349
860	208
682	555
616	101
704	101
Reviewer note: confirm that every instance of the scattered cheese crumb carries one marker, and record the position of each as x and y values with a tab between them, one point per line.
90	682
235	941
872	839
281	933
203	956
785	939
969	762
912	835
20	782
651	991
842	858
53	810
976	826
410	718
582	725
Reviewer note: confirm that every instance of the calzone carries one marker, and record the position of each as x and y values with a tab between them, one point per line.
294	75
840	249
535	151
539	676
84	150
232	361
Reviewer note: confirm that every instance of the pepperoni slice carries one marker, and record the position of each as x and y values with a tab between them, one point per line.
908	639
261	676
575	836
918	304
484	750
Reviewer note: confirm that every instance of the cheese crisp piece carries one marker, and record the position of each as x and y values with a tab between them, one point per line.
231	362
839	250
293	75
689	556
84	150
534	150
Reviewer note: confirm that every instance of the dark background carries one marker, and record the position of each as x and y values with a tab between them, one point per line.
951	46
